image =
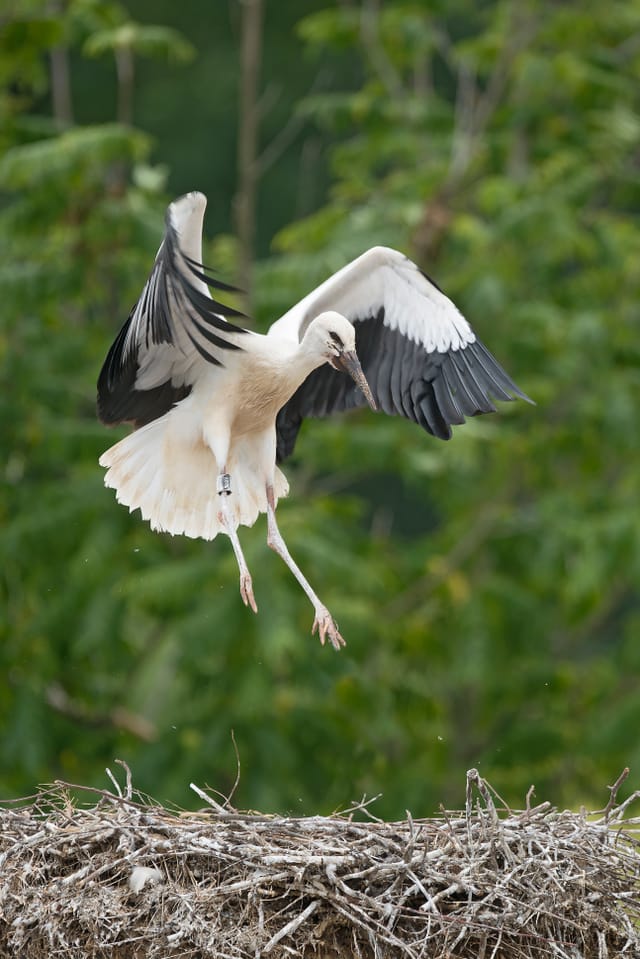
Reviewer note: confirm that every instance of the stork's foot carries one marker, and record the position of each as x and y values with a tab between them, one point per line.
325	624
246	591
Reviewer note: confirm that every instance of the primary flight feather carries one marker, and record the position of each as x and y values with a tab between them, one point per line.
215	406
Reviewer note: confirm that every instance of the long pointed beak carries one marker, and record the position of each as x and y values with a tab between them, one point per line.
349	363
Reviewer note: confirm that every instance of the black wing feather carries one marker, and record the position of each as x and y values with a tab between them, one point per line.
467	373
436	390
445	402
119	401
499	382
169	291
434	420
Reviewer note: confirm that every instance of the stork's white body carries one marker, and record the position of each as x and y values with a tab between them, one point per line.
168	468
214	404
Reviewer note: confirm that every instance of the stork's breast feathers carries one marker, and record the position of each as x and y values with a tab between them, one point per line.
257	405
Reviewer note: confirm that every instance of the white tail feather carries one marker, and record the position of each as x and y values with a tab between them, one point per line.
170	474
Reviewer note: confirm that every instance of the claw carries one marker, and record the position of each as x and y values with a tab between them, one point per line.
325	625
246	591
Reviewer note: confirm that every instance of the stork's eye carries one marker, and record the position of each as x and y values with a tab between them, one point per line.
336	339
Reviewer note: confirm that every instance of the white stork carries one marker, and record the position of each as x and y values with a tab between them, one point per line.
215	407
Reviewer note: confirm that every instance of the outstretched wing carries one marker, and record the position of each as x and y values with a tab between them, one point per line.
174	330
421	358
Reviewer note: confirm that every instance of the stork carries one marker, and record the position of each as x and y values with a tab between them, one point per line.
216	407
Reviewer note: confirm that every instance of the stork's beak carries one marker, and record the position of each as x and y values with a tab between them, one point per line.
348	362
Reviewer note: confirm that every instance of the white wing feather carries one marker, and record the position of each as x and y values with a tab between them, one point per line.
384	278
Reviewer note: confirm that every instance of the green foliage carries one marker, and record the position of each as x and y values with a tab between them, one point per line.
78	155
487	588
149	41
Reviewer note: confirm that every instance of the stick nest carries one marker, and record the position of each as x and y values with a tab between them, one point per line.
125	878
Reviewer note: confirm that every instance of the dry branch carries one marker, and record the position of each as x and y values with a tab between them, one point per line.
124	878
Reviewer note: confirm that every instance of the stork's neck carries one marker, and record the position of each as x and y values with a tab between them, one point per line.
285	363
304	359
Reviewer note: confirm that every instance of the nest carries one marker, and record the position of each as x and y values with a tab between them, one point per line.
124	878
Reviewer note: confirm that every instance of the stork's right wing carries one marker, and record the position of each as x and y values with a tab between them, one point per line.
174	331
420	356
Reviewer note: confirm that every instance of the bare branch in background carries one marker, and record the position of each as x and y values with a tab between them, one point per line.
287	133
463	139
307	188
283	138
370	36
422	76
248	169
118	718
60	80
475	108
61	86
125	71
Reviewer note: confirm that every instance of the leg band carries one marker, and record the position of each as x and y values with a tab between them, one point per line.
224	484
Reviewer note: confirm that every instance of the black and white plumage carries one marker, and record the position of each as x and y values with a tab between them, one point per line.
419	355
215	405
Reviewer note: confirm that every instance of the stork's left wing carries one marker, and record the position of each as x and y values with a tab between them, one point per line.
174	331
420	356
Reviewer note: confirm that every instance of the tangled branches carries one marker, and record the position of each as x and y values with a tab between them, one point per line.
125	878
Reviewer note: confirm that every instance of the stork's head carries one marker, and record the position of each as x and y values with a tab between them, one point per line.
333	337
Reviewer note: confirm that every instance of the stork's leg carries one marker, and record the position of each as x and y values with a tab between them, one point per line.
323	621
246	585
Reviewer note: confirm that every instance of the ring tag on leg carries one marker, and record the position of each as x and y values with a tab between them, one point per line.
224	484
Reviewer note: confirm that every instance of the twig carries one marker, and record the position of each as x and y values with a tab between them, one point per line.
122	763
361	806
209	800
530	792
116	784
292	926
237	780
613	791
475	779
103	793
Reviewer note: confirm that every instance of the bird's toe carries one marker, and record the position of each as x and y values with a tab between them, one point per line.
325	625
246	591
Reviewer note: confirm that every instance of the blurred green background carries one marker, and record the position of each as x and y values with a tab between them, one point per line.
487	587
